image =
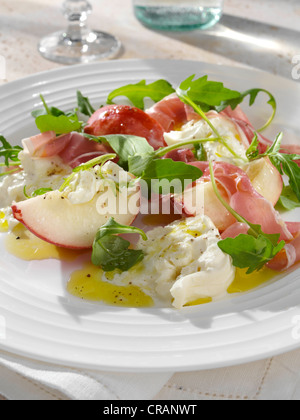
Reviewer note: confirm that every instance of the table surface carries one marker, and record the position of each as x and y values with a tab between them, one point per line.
259	33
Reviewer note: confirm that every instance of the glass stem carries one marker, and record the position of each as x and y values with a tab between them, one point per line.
77	11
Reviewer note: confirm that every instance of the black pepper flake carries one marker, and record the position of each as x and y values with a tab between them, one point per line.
18	237
88	275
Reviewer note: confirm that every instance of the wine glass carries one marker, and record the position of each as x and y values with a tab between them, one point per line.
78	44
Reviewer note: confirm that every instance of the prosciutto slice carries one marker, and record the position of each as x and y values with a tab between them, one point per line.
237	188
235	230
170	113
81	150
72	148
181	155
288	257
46	144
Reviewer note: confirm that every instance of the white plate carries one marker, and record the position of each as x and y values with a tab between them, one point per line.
40	320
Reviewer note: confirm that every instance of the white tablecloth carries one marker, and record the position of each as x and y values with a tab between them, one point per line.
277	378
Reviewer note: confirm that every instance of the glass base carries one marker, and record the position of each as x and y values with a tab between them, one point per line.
60	48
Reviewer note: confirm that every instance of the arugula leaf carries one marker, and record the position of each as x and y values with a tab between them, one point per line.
12	171
288	199
214	96
62	124
249	252
190	92
11	157
276	146
200	153
256	231
36	193
47	110
9	152
253	151
253	93
290	168
205	93
167	169
134	153
136	93
138	164
53	119
84	105
100	160
126	147
41	191
112	252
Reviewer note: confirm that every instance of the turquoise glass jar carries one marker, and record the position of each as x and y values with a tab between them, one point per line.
178	15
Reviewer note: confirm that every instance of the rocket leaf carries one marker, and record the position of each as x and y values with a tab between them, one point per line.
84	105
249	252
61	125
205	93
136	93
9	152
112	252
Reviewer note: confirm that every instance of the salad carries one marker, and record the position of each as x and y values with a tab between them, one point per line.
174	201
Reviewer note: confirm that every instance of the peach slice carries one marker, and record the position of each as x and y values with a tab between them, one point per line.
265	178
55	219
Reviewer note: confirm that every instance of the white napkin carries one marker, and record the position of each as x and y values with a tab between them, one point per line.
276	378
25	379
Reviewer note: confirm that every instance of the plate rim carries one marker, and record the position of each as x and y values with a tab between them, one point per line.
141	60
